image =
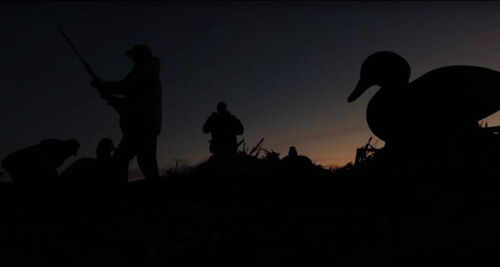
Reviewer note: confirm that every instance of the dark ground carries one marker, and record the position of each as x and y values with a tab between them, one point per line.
257	213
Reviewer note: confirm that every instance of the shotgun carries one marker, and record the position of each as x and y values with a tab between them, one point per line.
85	64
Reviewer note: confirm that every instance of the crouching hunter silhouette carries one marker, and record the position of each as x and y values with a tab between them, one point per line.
137	98
34	169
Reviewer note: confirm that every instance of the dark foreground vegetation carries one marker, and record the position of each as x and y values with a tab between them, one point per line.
385	210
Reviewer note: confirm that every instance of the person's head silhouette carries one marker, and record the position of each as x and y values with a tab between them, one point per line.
105	148
292	152
139	53
221	107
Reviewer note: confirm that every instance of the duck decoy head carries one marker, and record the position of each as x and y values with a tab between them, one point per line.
383	69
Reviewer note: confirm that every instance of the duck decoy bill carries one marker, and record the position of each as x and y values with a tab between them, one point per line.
361	87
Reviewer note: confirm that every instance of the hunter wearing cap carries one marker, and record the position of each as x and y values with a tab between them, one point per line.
137	98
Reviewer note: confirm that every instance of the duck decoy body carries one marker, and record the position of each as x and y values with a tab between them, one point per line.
438	104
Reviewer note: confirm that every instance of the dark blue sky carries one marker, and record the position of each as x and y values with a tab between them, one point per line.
285	69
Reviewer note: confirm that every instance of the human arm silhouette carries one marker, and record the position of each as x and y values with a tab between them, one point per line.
207	127
141	76
237	126
112	92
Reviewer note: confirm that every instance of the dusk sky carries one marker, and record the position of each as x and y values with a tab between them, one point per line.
284	69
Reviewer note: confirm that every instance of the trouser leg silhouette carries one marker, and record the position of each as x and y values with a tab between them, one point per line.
146	158
142	146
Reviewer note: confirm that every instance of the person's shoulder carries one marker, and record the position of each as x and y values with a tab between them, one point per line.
305	159
30	150
285	158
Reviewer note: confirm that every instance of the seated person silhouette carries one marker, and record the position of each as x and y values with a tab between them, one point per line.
224	128
294	161
34	169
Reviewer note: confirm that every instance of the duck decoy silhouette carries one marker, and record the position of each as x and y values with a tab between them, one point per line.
437	105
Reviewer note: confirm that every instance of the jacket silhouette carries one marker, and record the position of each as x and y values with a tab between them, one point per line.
137	98
224	127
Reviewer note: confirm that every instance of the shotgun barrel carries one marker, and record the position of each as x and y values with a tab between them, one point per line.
85	64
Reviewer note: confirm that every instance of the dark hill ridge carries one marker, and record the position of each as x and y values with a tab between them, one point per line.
387	211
